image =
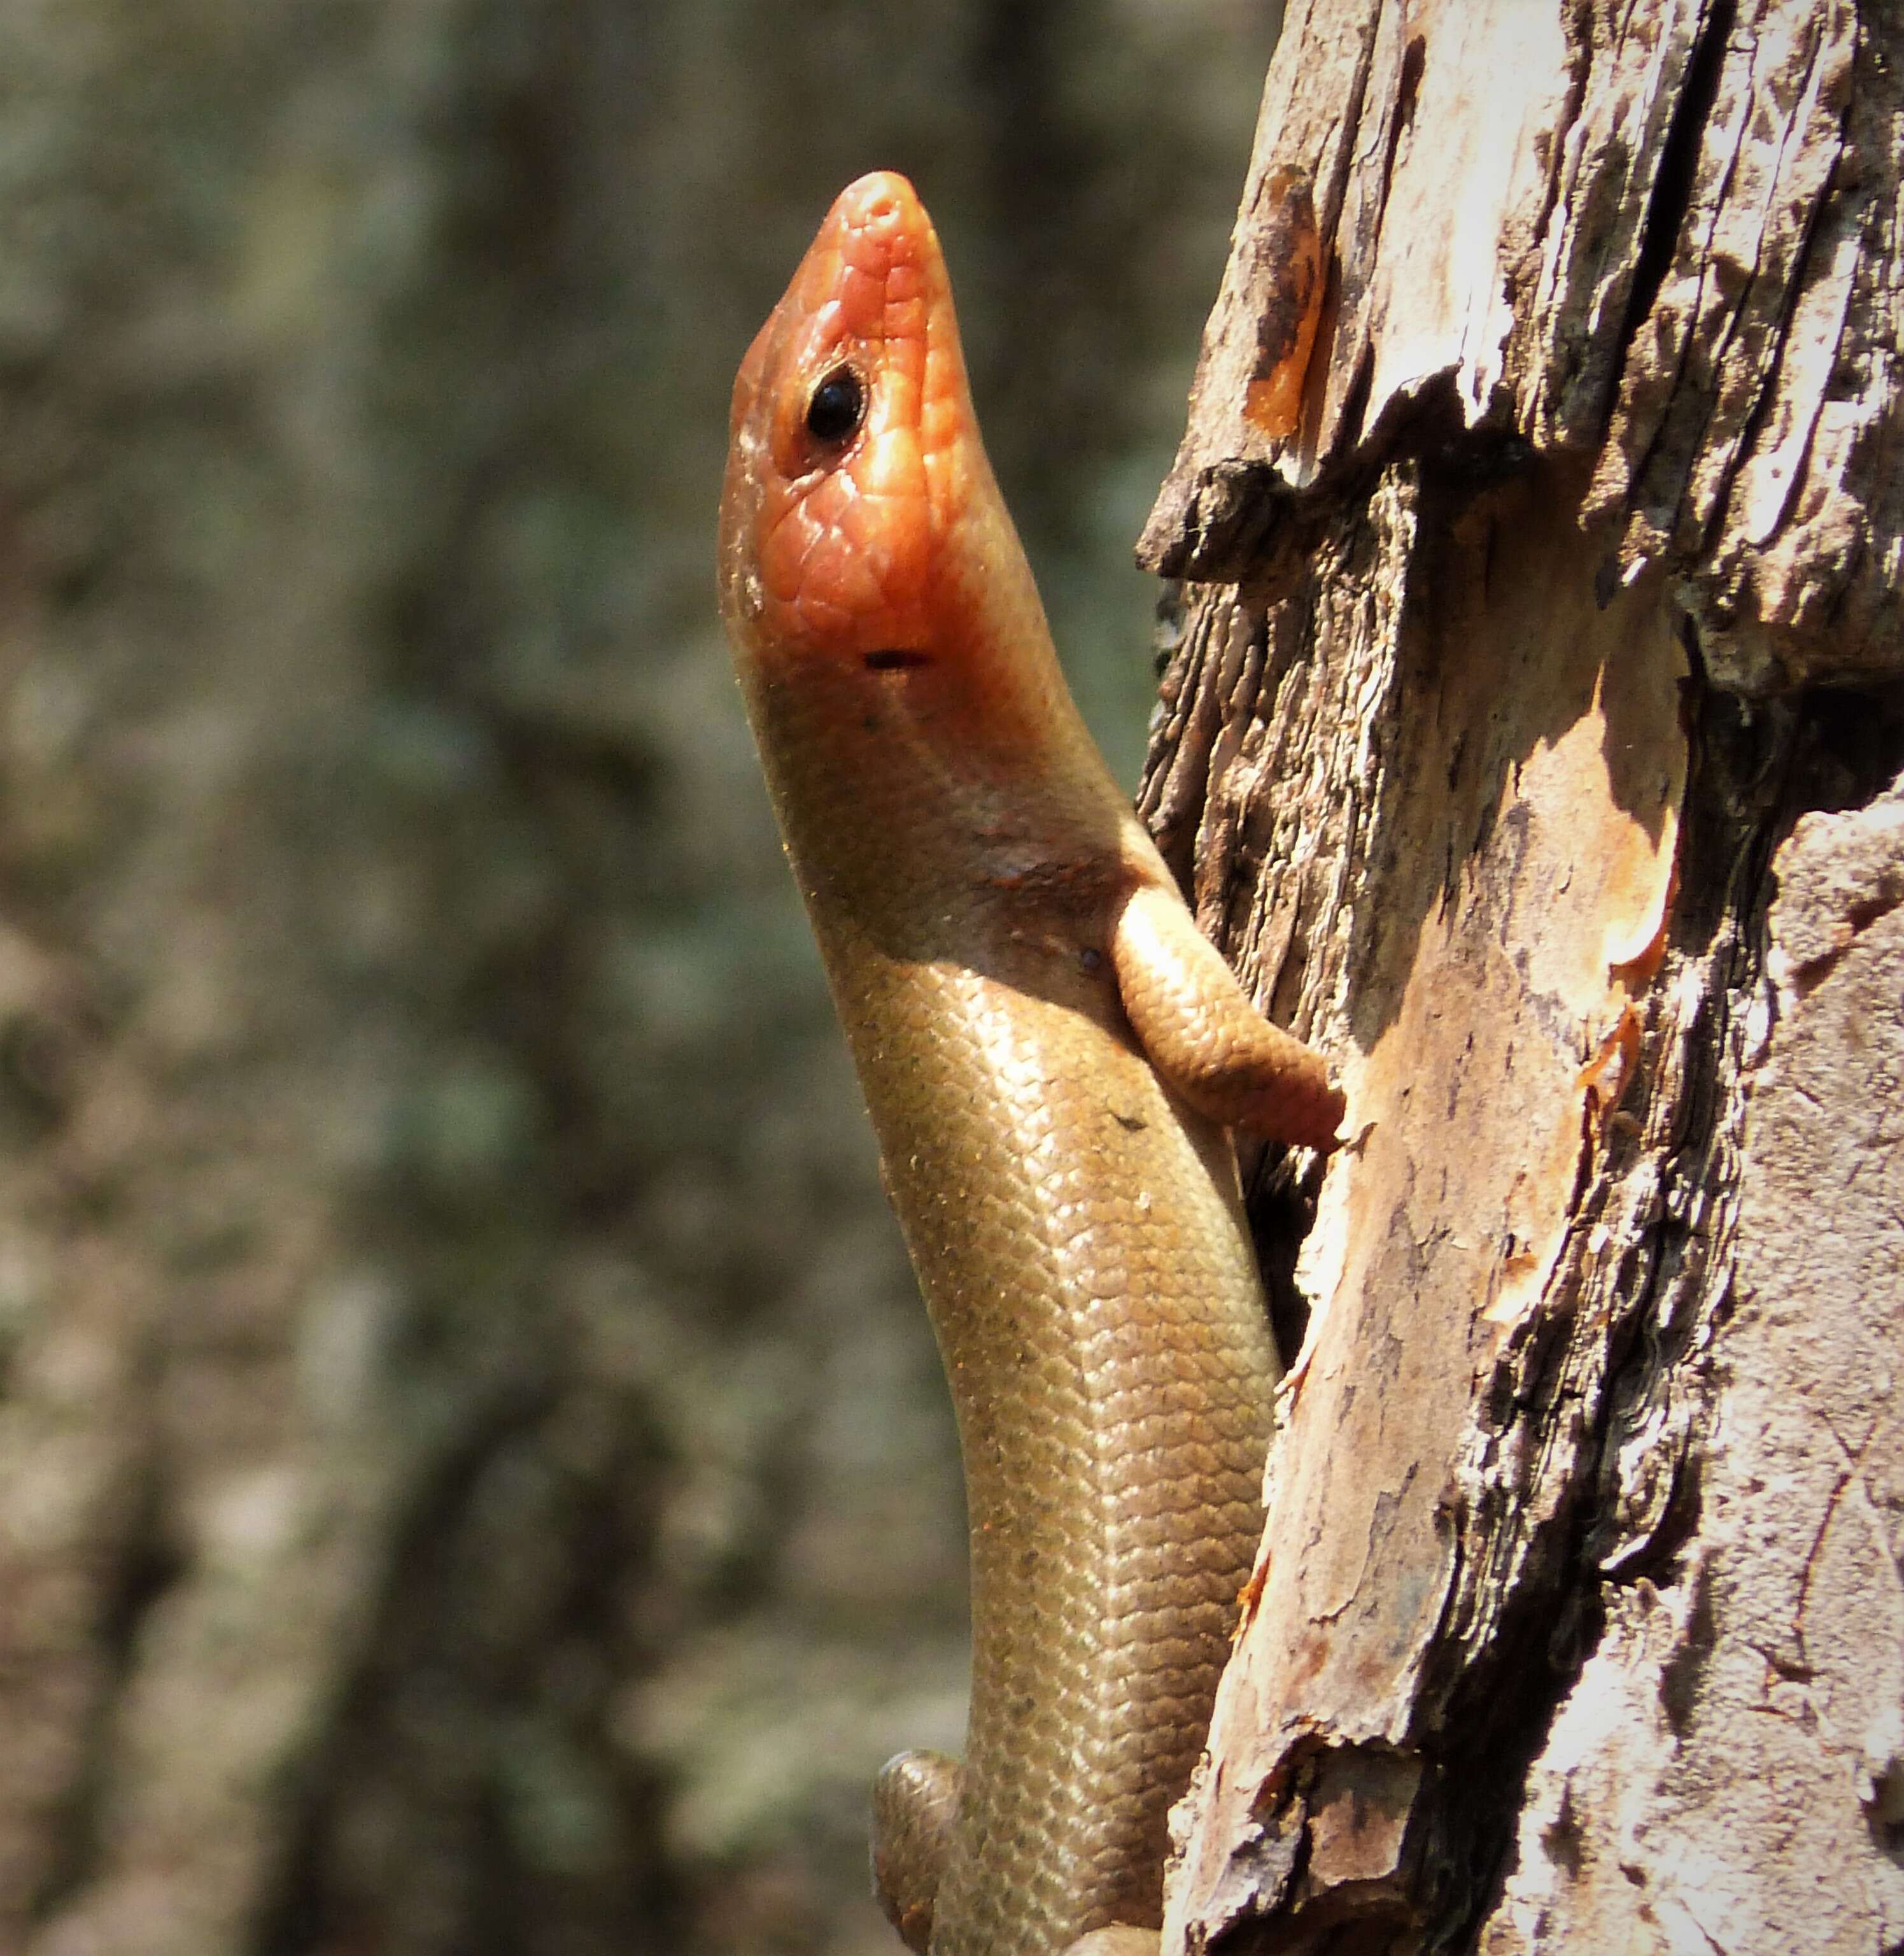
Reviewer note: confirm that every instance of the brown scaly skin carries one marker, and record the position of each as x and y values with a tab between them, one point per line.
1048	1048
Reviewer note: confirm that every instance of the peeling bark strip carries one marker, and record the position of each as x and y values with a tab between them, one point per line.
1660	235
1578	1624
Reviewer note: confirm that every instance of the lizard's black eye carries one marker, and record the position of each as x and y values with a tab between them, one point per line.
836	407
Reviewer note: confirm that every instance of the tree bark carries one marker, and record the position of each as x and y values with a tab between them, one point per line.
1532	740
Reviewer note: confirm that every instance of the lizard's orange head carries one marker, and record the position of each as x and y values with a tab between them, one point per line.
854	455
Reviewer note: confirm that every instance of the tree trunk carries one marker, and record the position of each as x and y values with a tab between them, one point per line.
1533	737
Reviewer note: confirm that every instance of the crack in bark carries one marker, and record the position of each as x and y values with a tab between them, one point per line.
1670	201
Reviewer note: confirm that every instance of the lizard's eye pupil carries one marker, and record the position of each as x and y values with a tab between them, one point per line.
836	407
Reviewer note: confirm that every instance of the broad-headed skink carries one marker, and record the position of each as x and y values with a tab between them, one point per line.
1051	1052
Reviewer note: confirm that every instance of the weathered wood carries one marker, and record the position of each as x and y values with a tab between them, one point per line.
1577	1624
1661	235
1737	1732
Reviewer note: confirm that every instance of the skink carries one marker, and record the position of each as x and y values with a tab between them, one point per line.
1051	1052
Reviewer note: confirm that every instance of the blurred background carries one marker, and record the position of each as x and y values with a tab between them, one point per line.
473	1474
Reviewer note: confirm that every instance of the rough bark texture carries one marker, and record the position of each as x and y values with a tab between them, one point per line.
474	1478
1494	745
